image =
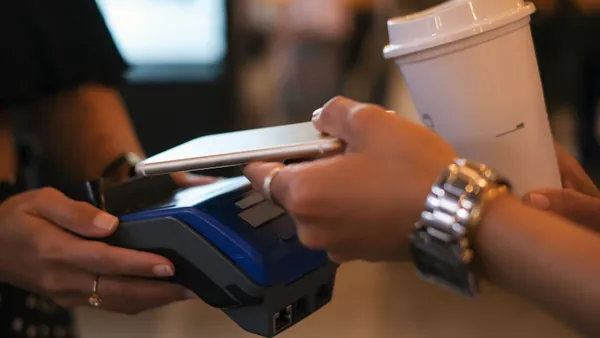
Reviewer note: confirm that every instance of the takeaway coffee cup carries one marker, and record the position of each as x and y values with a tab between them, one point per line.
472	73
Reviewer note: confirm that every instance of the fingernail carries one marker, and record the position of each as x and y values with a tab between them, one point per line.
317	114
539	201
163	271
106	221
189	294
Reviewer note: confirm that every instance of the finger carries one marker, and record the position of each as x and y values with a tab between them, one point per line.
186	180
313	189
98	258
573	175
578	207
122	294
79	217
291	181
132	296
104	259
257	173
352	122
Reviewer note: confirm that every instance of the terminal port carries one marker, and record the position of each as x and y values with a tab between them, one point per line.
301	308
282	319
323	295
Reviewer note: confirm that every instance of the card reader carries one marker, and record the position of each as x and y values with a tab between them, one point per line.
237	251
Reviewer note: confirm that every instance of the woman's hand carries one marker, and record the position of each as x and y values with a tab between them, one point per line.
579	201
39	252
361	204
186	180
573	175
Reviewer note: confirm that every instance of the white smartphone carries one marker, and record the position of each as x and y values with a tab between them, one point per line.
288	142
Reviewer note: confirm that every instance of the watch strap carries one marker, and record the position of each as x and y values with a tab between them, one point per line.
442	244
122	168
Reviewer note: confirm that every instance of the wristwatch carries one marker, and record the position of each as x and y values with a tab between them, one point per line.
122	168
442	241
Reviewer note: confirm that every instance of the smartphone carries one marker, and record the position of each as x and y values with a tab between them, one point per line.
300	141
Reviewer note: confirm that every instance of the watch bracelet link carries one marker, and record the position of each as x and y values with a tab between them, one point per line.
442	242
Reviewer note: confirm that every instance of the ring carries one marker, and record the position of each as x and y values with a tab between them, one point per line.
267	183
95	299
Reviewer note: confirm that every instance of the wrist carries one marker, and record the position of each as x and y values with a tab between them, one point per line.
494	208
122	168
443	242
494	215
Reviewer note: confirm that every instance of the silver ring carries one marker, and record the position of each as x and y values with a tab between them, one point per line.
268	182
95	299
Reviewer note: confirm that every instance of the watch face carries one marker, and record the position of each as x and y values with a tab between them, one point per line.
442	264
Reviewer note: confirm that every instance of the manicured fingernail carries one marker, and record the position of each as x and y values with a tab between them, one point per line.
317	114
190	294
163	271
539	201
105	221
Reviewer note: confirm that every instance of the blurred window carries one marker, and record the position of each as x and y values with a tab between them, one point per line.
169	38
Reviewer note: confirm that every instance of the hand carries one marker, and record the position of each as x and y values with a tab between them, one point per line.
39	253
361	204
186	180
572	174
579	201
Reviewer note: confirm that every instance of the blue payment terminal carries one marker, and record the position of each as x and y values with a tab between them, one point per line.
237	251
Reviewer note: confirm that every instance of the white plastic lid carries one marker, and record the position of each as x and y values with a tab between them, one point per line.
451	21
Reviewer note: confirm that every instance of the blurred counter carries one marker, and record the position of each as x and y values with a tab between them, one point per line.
370	301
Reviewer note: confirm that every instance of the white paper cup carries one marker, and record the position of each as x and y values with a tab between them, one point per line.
471	69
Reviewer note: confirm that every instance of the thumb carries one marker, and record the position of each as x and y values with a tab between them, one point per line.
353	122
78	217
575	206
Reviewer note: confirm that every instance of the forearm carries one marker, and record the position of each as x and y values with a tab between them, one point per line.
543	258
8	160
84	130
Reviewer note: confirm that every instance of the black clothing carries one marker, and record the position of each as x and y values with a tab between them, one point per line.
48	47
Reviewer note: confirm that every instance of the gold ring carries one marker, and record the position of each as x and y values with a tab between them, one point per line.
95	299
268	182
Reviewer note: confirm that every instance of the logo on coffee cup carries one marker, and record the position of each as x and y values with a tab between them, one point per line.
427	121
517	128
